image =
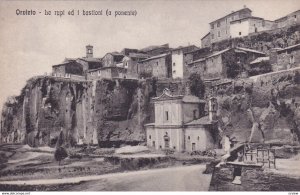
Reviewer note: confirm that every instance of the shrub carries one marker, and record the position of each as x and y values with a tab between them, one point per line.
168	151
196	85
60	154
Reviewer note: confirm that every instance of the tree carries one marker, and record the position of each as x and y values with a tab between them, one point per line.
60	152
196	85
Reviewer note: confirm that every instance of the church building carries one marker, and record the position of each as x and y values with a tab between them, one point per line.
181	124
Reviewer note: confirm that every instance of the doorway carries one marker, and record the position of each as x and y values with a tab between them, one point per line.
167	140
193	146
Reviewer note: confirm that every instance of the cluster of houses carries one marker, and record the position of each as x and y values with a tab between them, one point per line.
180	120
175	63
178	63
241	23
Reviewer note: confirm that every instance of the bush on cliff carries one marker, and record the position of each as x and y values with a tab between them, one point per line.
196	85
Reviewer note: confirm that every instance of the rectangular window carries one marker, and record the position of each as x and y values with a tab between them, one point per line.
218	24
212	26
219	34
167	115
212	36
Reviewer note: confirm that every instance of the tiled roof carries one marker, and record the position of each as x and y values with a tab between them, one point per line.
155	57
286	15
205	35
201	121
225	50
250	17
107	67
260	59
90	59
66	63
250	50
192	99
290	47
231	14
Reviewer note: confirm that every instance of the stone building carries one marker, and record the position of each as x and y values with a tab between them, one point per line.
74	67
67	68
130	63
242	23
220	28
112	59
216	65
288	20
245	26
178	60
206	40
159	66
285	58
180	123
107	73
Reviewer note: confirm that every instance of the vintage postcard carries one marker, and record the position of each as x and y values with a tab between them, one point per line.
155	95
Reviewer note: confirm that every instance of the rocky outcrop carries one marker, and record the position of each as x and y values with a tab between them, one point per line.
250	110
85	112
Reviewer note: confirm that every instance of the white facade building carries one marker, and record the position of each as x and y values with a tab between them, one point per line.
180	124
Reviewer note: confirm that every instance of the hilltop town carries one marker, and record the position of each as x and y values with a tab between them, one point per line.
232	102
178	63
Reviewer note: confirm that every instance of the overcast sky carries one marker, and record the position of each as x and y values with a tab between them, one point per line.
30	45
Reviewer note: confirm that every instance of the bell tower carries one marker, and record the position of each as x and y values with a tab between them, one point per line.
89	51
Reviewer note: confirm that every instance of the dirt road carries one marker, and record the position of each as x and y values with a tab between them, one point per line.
187	178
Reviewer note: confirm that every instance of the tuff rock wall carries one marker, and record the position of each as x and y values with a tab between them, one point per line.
98	112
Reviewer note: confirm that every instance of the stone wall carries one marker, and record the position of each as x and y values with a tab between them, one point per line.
252	179
159	67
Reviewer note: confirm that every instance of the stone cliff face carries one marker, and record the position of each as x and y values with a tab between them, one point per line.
98	112
266	110
113	112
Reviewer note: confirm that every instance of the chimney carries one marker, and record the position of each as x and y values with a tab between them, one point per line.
212	108
245	6
89	51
